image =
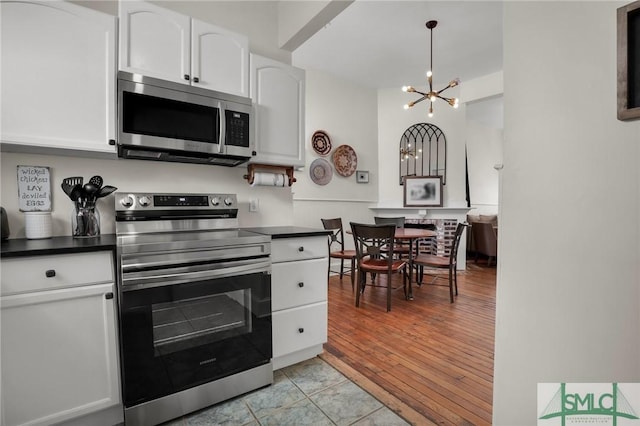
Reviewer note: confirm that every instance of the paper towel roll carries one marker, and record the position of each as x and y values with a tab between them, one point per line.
270	179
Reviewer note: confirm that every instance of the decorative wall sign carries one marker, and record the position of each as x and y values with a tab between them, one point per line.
629	61
423	191
34	189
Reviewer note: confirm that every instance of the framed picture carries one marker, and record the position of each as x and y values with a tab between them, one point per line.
629	62
423	191
362	176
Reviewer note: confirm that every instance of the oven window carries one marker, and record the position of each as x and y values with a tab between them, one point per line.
184	324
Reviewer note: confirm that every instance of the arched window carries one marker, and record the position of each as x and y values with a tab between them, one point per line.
423	152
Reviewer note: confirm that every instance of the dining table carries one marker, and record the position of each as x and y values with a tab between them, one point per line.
412	236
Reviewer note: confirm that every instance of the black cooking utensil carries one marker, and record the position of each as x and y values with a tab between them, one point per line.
76	192
72	181
66	188
105	190
97	181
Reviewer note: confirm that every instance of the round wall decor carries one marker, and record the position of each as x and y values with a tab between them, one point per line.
320	171
345	160
321	142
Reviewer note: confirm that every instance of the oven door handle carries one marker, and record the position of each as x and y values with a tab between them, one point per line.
192	273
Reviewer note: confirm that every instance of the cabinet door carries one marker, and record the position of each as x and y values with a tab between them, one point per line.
154	41
219	59
278	95
59	354
299	328
298	283
58	75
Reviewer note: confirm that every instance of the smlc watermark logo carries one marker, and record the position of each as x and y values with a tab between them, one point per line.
574	404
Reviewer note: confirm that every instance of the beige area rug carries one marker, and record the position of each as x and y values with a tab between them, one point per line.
388	399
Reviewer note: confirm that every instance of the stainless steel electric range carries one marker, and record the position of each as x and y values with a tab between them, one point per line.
195	304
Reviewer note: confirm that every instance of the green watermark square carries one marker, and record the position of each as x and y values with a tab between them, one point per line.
592	404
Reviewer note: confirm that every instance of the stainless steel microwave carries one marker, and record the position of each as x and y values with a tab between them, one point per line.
167	121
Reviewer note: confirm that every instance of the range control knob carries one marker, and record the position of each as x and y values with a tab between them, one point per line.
126	201
215	201
144	201
228	201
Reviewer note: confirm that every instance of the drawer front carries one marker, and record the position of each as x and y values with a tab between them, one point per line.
27	274
299	328
298	283
290	249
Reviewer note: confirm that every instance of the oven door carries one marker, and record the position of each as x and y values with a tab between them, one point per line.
205	322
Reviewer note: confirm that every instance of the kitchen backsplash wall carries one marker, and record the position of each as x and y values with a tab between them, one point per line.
275	204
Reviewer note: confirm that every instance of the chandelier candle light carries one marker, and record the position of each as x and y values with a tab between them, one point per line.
431	94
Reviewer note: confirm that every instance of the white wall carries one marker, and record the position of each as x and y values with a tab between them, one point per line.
484	151
348	113
393	120
568	291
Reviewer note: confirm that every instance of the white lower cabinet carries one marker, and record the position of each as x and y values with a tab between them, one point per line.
58	340
299	298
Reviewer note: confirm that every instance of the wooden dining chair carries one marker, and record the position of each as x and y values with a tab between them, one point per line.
449	262
337	251
400	249
370	241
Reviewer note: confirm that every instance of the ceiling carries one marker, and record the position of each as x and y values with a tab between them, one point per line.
385	44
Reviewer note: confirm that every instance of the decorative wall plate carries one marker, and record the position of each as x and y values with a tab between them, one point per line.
320	171
321	142
345	160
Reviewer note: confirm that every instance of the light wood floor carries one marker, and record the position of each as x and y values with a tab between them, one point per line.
434	356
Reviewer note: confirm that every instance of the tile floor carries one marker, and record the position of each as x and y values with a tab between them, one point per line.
309	393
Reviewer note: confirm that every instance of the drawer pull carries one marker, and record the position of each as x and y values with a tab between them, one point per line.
301	330
300	248
50	273
108	296
300	285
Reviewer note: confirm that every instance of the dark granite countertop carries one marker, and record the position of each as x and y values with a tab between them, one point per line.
61	245
288	231
56	245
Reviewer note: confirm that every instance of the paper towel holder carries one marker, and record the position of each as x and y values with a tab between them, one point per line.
252	168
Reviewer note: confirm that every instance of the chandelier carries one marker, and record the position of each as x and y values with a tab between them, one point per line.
431	95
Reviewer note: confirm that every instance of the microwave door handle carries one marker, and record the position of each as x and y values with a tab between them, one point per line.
223	126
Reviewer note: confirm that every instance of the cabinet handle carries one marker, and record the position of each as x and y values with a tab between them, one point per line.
108	296
196	79
186	77
112	142
50	273
300	285
301	248
301	330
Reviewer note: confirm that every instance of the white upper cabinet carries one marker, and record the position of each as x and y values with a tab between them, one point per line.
57	76
219	59
154	41
278	92
168	45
